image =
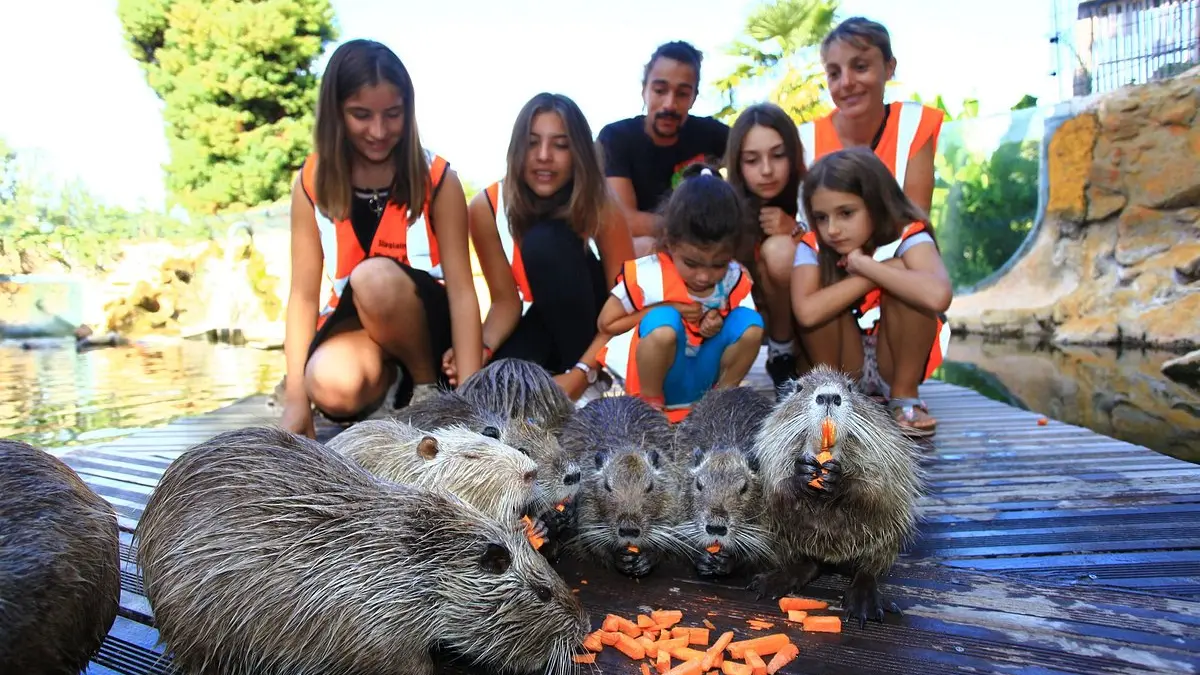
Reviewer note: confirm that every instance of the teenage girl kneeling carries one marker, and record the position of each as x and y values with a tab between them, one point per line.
868	283
682	320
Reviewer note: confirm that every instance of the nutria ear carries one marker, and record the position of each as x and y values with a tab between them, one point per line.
491	432
697	456
788	388
752	461
495	559
427	448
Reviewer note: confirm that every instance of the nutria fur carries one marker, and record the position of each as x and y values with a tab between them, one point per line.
631	488
866	511
557	474
492	476
723	502
265	552
60	575
520	389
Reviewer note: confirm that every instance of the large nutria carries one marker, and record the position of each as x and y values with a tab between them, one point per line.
60	575
557	474
491	476
520	389
630	499
724	516
265	552
856	510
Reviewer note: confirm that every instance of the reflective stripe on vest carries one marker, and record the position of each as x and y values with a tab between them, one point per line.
512	252
910	126
414	245
651	280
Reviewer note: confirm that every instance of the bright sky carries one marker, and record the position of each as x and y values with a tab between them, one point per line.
90	114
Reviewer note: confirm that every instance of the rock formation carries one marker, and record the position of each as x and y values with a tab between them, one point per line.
1116	258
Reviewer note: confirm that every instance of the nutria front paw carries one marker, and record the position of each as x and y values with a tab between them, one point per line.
774	584
559	521
538	528
863	601
634	564
719	564
831	475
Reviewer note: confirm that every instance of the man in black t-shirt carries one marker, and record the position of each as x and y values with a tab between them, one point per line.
644	155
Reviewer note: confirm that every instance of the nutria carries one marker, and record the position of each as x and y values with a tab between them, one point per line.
723	505
478	468
60	575
520	389
630	499
862	510
558	475
265	552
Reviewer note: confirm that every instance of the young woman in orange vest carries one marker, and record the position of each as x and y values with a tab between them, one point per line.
858	61
384	220
537	233
869	288
765	163
682	320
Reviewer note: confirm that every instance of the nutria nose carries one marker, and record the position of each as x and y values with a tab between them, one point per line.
571	478
718	530
829	399
530	476
631	532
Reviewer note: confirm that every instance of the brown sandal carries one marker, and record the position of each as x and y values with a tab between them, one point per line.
913	417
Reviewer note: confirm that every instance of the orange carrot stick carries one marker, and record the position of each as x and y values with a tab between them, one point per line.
668	645
687	654
620	623
709	625
760	625
828	433
789	603
686	668
630	647
632	549
644	621
763	645
670	617
592	642
585	658
755	661
735	668
715	650
645	669
713	549
782	658
796	615
664	662
608	638
823	624
649	645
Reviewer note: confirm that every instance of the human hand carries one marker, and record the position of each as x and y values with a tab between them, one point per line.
854	261
711	324
298	418
773	220
691	312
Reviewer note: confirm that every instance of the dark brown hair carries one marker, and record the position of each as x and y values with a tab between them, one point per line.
677	50
770	116
589	192
354	65
858	171
703	210
862	33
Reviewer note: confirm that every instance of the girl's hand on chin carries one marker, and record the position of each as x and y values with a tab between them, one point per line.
854	261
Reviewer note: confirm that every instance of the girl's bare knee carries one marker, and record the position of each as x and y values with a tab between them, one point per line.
341	383
778	252
379	282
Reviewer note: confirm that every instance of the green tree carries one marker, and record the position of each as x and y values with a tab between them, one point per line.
239	90
779	42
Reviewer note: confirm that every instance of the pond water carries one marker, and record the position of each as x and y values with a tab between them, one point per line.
55	398
1119	393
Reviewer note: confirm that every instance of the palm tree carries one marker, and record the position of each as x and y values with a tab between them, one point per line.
778	43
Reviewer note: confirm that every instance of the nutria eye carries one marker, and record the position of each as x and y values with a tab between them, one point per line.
471	455
542	592
571	478
650	487
745	486
607	486
699	486
523	451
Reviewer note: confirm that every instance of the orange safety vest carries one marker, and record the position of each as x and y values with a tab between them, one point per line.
910	125
343	252
512	252
651	280
868	311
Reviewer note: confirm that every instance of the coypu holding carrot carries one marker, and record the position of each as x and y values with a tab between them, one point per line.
630	500
478	468
855	508
60	576
265	552
722	499
557	480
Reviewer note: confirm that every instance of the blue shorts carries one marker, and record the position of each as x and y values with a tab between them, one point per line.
691	376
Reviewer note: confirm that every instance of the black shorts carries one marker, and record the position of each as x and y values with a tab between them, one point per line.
436	302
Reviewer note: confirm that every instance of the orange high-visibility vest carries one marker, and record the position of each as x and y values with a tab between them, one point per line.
650	280
512	252
910	125
868	312
393	239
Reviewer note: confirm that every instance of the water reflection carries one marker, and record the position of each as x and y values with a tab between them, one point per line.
54	397
1122	394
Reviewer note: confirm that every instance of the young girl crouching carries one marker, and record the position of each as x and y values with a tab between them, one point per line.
682	320
868	282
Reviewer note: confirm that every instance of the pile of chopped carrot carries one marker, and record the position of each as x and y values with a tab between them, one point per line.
657	639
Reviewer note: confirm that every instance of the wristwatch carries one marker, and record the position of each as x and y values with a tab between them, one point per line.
588	372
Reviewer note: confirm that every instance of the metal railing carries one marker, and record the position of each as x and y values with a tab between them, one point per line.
1122	42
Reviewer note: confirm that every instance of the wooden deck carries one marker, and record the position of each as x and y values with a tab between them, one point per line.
1047	549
